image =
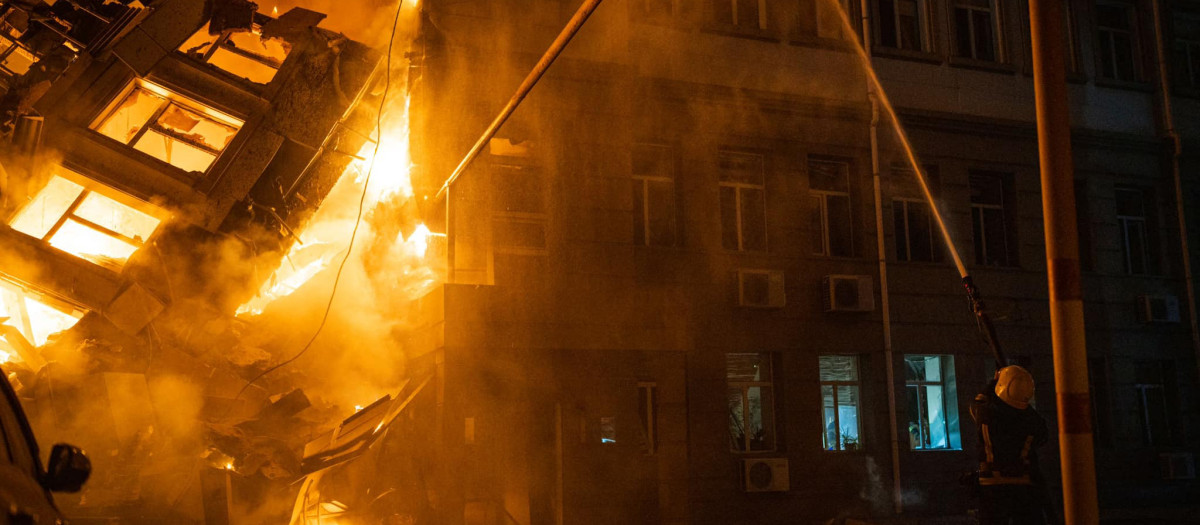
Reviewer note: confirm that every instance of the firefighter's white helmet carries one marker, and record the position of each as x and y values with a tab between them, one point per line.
1014	385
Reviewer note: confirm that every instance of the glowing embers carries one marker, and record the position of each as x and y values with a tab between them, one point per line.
180	132
245	54
33	319
85	223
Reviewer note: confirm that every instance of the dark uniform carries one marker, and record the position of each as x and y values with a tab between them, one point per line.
1011	488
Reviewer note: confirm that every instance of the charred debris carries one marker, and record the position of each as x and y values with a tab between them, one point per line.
159	157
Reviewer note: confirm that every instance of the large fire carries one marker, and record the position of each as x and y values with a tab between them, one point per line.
326	238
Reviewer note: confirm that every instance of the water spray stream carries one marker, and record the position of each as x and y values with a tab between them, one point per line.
987	330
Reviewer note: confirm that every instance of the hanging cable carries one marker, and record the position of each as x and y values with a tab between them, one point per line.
362	199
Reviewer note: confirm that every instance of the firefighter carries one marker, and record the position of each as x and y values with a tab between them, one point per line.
1011	488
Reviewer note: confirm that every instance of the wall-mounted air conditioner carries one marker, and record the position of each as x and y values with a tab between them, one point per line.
1178	465
760	289
1158	308
848	293
766	475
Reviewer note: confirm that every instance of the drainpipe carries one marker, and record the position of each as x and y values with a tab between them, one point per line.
1168	130
885	304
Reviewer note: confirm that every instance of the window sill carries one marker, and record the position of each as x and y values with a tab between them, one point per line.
982	65
833	44
1128	85
907	54
739	32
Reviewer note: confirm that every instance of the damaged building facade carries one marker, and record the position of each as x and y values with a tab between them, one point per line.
160	154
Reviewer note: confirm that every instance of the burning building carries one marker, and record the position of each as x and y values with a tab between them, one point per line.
670	290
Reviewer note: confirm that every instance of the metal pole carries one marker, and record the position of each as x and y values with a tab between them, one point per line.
585	11
1062	262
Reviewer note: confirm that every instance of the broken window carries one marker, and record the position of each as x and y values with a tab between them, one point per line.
78	220
243	54
992	217
653	196
1116	33
932	402
751	400
743	202
177	131
829	186
840	398
975	30
34	318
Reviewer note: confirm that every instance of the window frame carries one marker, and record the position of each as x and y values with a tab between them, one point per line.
739	210
1007	219
642	184
648	394
744	387
835	384
999	42
170	98
1135	44
1125	222
934	237
1187	80
949	402
924	22
15	47
822	198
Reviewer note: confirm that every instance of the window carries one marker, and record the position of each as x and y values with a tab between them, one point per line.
915	236
15	58
829	187
608	430
991	219
743	202
519	209
1083	224
751	402
1156	397
830	21
1187	51
840	402
648	415
1131	219
244	54
745	14
902	24
105	228
976	29
932	402
1116	33
1098	380
34	319
177	131
653	195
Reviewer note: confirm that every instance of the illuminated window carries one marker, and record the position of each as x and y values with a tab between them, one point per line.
932	402
743	202
829	187
751	398
78	220
35	318
158	123
15	60
653	196
840	399
245	54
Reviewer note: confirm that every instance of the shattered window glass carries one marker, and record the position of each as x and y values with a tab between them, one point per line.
171	130
33	319
84	223
244	54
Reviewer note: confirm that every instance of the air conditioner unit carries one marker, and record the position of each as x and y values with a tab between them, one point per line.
1177	465
848	293
760	289
766	475
1158	308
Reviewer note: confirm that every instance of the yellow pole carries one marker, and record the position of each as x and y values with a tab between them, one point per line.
1062	262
